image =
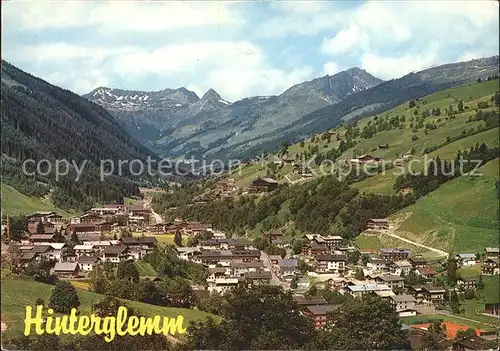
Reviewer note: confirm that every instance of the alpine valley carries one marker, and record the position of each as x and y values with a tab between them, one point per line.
177	123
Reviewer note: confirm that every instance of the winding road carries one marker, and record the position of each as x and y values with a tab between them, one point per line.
394	225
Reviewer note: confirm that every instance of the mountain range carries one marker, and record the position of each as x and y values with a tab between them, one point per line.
176	122
44	122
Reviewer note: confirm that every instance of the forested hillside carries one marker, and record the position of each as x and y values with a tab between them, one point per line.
41	121
455	123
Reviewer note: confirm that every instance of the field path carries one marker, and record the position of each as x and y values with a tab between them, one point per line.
394	225
147	204
463	318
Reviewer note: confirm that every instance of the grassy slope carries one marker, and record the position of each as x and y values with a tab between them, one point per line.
383	183
19	293
14	203
400	140
145	269
460	215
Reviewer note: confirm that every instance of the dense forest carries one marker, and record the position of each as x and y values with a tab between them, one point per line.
324	205
44	122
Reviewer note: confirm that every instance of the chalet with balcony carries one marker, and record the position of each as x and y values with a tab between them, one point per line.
40	216
364	159
491	252
319	314
466	259
238	269
490	266
395	254
261	185
432	294
417	262
391	280
357	290
103	226
83	227
115	254
402	267
246	255
304	301
429	273
88	263
404	304
466	283
89	218
376	264
66	270
334	264
256	278
41	239
187	253
377	224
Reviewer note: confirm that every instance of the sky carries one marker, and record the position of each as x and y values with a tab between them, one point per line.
240	49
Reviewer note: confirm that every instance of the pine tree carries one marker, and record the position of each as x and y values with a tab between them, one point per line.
40	228
178	238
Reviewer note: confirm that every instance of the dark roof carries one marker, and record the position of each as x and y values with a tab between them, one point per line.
390	278
139	241
253	264
217	270
246	253
82	225
114	250
322	309
87	259
429	288
28	255
215	254
40	248
474	343
331	257
88	237
311	301
290	262
258	275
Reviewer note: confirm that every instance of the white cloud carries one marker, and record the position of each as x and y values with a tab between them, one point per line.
299	18
191	56
344	41
81	81
394	67
331	68
408	36
234	84
120	15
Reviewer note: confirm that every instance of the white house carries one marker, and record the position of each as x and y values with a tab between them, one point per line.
88	263
56	251
358	290
466	259
330	263
405	305
83	249
116	254
186	253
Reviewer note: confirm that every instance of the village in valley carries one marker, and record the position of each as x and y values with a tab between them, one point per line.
128	233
